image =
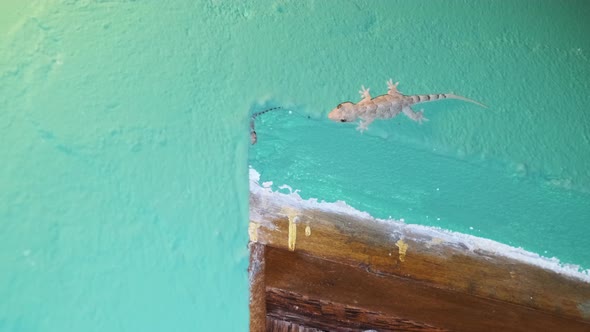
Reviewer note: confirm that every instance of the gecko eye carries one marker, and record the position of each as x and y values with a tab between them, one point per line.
338	107
342	120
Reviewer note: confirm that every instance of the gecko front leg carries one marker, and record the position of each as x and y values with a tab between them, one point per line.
416	116
364	124
392	88
365	95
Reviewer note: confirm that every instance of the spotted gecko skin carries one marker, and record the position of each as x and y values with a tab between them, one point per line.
386	106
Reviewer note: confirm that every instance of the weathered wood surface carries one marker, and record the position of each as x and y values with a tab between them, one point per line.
336	297
256	274
278	325
329	316
385	249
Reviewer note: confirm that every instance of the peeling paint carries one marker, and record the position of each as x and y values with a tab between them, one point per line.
466	242
307	230
437	241
403	247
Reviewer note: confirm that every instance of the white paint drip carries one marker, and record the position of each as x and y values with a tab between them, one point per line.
471	242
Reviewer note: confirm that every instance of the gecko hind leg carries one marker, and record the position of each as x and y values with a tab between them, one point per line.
416	116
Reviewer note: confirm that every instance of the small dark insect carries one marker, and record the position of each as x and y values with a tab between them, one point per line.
253	136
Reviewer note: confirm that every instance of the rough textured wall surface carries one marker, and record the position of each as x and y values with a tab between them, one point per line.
123	184
123	141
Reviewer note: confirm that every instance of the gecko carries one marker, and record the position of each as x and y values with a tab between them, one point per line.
386	106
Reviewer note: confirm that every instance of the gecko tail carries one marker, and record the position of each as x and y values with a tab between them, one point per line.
453	96
416	99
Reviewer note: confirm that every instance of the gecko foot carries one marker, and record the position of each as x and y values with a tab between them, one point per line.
364	125
392	88
364	92
420	117
361	127
415	116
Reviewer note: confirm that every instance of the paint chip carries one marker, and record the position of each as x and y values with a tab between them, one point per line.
403	247
307	231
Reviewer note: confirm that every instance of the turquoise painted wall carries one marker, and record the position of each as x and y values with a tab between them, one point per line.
124	141
515	173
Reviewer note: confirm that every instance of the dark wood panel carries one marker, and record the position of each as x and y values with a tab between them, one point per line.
330	316
317	293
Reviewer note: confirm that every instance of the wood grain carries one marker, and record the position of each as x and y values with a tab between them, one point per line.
329	316
331	296
274	324
257	278
374	247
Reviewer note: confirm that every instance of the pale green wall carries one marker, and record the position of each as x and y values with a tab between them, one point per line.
123	184
124	144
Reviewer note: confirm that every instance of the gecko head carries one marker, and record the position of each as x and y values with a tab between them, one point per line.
344	112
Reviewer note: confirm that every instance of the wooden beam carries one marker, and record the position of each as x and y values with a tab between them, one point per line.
330	296
388	250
